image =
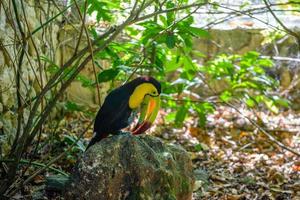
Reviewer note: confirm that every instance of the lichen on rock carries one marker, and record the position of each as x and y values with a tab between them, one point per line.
132	167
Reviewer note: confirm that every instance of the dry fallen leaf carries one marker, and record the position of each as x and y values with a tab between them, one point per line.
296	168
39	179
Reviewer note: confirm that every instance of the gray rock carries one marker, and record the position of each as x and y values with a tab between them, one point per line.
132	167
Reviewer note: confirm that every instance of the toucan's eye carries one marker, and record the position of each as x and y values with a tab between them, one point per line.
154	92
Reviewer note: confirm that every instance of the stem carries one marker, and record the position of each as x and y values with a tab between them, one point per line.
90	46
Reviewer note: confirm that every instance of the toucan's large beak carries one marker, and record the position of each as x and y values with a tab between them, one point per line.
149	109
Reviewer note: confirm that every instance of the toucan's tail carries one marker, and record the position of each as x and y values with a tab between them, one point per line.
96	139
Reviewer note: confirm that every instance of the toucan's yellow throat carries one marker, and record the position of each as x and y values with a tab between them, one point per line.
140	92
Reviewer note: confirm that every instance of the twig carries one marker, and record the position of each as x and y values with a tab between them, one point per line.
90	46
11	173
40	73
281	24
282	58
169	10
248	14
24	139
48	21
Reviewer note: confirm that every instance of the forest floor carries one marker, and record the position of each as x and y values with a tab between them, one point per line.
232	158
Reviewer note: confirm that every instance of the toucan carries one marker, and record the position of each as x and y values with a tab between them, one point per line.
121	105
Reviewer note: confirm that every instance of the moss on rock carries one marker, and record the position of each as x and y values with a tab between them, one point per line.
133	167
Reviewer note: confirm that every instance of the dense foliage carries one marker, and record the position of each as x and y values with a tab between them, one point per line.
162	46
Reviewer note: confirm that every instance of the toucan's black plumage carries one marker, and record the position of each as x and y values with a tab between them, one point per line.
115	112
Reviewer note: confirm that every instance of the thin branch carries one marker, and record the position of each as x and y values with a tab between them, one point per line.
282	58
90	46
51	82
13	167
48	21
247	14
262	130
18	74
168	10
80	34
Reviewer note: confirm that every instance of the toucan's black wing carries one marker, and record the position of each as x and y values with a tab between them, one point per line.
114	113
112	116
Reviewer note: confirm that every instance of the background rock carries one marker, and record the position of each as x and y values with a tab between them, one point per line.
55	42
130	167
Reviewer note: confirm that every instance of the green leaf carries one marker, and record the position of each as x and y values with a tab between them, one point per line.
226	96
52	69
198	54
270	105
170	41
170	15
85	81
208	107
70	139
258	70
72	106
203	109
173	64
199	32
198	147
112	53
252	55
282	102
188	64
151	30
107	75
246	84
170	117
265	62
180	116
94	33
132	31
159	64
202	119
163	20
250	102
101	8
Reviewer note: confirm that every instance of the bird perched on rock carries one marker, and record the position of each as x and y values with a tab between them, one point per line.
120	105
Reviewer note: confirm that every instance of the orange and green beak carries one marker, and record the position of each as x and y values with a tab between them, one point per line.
149	109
